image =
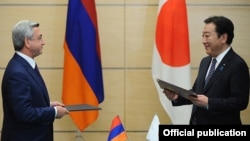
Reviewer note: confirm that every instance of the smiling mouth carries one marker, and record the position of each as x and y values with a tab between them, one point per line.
206	46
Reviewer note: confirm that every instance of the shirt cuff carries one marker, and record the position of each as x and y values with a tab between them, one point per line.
207	107
55	111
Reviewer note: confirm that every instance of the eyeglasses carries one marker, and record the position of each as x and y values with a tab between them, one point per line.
39	38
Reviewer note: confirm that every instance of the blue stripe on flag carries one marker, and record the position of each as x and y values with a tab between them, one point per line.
115	132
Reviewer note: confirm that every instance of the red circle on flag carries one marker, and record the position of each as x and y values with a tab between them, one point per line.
172	40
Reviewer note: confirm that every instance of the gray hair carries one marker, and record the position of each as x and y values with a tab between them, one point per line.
21	30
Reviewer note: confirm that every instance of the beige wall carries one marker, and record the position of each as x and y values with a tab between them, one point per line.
126	29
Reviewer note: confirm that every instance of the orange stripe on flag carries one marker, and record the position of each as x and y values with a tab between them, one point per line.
121	137
75	92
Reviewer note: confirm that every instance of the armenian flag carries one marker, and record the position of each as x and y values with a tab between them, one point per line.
117	131
82	74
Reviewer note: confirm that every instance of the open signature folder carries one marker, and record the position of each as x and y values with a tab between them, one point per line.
81	107
175	89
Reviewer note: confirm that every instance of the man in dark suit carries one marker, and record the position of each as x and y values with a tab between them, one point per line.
28	112
223	88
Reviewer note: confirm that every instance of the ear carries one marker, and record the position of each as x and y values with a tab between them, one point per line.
26	42
224	38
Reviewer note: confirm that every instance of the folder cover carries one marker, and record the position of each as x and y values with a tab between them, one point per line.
81	107
175	89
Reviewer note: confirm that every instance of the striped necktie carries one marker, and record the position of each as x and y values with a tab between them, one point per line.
211	71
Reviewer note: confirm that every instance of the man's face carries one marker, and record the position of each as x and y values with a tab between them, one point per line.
36	43
213	44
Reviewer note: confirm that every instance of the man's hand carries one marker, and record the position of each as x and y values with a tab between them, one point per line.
170	95
201	100
61	111
56	103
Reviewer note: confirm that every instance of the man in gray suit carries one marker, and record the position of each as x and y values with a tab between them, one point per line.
222	87
28	112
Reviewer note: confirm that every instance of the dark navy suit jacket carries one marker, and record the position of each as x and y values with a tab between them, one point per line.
227	90
26	105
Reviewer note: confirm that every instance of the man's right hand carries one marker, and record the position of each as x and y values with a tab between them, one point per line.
61	111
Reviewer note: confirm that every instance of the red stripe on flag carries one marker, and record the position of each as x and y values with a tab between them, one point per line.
116	121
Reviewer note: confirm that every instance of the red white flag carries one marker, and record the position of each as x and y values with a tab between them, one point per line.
171	56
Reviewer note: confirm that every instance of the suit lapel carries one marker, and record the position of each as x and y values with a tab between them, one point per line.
220	69
204	68
38	79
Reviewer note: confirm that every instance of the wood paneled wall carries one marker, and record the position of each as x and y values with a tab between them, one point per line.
126	29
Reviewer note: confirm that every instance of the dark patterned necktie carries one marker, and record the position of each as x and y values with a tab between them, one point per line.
37	71
40	76
42	83
211	71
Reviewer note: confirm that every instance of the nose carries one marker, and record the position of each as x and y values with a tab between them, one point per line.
204	40
43	42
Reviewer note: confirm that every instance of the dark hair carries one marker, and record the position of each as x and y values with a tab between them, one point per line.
223	25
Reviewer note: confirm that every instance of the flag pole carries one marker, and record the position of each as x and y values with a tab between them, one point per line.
78	136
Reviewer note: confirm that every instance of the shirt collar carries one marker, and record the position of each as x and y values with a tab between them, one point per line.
221	56
27	58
